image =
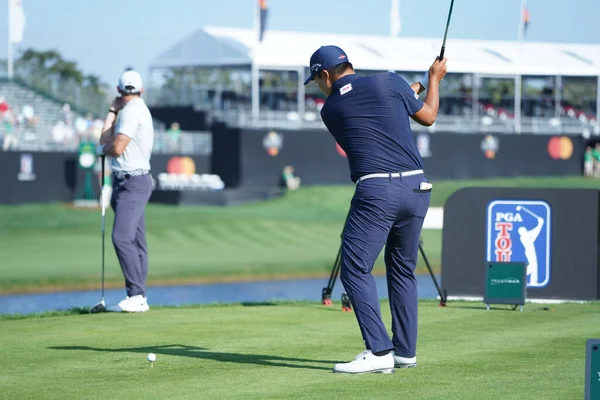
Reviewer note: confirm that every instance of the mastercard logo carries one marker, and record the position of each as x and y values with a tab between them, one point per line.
181	166
560	147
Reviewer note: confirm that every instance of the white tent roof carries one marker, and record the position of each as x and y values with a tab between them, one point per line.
214	46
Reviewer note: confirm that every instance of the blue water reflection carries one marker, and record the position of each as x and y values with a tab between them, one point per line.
261	291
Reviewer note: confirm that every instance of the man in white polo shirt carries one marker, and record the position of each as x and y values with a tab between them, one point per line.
128	137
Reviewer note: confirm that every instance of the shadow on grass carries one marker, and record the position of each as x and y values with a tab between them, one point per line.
62	313
203	353
483	308
259	303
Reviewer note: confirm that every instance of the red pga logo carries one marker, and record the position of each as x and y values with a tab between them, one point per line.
503	242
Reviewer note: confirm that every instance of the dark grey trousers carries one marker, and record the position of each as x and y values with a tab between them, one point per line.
129	198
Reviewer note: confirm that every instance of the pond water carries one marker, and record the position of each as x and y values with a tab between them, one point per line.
258	291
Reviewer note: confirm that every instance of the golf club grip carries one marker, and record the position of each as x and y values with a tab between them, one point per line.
442	53
103	169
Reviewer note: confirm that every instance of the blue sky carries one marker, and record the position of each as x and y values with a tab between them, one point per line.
104	36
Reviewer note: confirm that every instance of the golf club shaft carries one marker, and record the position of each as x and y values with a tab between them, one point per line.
446	31
102	159
439	290
337	264
530	212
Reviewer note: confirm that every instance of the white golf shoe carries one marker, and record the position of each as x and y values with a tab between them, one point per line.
403	362
131	304
367	362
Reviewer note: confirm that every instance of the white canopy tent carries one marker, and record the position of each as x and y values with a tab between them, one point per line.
291	51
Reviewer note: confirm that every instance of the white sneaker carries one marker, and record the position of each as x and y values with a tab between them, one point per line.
132	304
403	362
367	362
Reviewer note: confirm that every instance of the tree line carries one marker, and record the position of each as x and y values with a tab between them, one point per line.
47	71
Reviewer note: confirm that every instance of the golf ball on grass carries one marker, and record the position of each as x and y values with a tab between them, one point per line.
151	357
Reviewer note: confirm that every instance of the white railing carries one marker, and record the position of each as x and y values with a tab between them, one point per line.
445	123
188	143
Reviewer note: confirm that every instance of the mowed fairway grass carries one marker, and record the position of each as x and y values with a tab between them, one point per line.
287	351
55	247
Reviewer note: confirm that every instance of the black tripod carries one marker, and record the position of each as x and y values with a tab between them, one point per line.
346	306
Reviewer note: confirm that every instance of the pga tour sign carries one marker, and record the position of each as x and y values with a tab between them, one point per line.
519	231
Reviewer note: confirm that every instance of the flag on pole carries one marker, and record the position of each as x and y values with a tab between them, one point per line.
263	9
16	21
395	23
525	19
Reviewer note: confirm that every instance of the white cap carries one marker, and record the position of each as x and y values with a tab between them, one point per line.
130	82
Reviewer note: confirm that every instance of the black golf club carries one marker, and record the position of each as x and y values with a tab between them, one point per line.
443	295
101	306
446	32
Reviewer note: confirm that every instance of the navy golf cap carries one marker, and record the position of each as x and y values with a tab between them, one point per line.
325	57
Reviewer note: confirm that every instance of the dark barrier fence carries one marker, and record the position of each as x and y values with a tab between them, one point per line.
555	231
257	157
38	177
188	118
32	177
459	156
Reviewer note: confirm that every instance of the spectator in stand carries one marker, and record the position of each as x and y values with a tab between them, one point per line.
96	128
596	157
67	115
588	162
58	132
89	119
290	181
29	118
81	128
173	134
3	106
10	140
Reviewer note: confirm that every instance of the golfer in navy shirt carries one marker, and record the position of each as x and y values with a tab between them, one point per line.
369	117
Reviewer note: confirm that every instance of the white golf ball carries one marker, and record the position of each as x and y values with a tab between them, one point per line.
151	357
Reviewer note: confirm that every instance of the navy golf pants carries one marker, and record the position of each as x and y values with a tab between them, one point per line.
385	212
129	198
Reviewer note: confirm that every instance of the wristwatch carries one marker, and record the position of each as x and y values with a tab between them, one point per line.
113	111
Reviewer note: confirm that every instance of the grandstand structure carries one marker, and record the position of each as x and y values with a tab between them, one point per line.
491	86
56	124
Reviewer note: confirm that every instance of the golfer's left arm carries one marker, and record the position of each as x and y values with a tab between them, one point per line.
421	85
125	130
418	87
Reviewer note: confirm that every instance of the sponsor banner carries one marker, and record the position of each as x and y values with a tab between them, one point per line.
26	168
520	231
181	175
273	142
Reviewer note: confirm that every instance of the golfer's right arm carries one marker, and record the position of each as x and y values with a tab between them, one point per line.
428	113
